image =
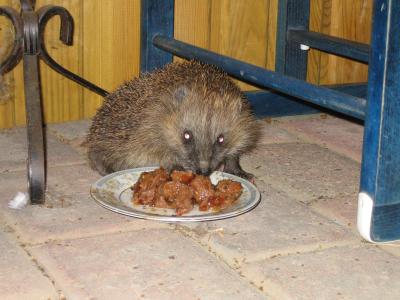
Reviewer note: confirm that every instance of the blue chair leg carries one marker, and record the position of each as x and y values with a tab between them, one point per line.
290	59
379	198
157	17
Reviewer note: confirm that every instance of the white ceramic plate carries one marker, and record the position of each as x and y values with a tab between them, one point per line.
114	193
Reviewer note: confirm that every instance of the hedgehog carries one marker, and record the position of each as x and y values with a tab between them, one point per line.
184	116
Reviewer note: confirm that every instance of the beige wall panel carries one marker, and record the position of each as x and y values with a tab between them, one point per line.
111	46
107	36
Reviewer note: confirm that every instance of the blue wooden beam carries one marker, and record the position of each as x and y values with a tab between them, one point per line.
379	199
157	17
273	104
355	89
330	44
327	98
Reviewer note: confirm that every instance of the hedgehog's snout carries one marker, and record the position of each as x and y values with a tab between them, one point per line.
204	168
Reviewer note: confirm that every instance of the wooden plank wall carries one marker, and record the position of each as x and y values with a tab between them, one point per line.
106	46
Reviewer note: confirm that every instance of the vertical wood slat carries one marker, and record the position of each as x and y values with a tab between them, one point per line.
7	114
239	29
353	15
111	46
346	19
192	22
62	98
271	34
314	56
324	68
19	93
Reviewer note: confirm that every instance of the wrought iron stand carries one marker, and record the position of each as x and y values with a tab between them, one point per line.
285	92
29	46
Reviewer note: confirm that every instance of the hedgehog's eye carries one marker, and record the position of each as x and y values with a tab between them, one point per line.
187	136
220	139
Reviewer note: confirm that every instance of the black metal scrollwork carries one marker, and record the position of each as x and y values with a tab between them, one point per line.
66	34
16	53
29	45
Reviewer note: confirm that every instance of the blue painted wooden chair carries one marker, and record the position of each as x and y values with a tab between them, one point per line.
377	102
286	92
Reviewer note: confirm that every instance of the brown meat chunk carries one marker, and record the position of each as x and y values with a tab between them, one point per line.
170	189
184	203
182	176
145	190
216	201
220	201
229	188
202	189
156	189
227	192
161	202
149	180
180	195
145	197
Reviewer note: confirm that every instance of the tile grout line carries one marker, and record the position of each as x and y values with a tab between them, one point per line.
281	252
309	140
88	236
65	164
309	205
302	249
12	235
277	289
184	231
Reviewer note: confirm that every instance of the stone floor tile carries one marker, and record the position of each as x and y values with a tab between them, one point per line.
20	277
337	134
279	224
62	181
71	179
351	272
146	264
273	134
38	224
305	171
70	130
69	211
13	149
60	153
11	183
13	144
72	133
342	210
392	247
299	243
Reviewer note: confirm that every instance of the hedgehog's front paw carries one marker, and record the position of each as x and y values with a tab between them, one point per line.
242	174
232	166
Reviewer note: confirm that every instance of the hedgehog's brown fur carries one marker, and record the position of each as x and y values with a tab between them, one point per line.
142	123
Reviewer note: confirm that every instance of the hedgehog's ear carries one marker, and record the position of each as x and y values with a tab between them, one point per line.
180	93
